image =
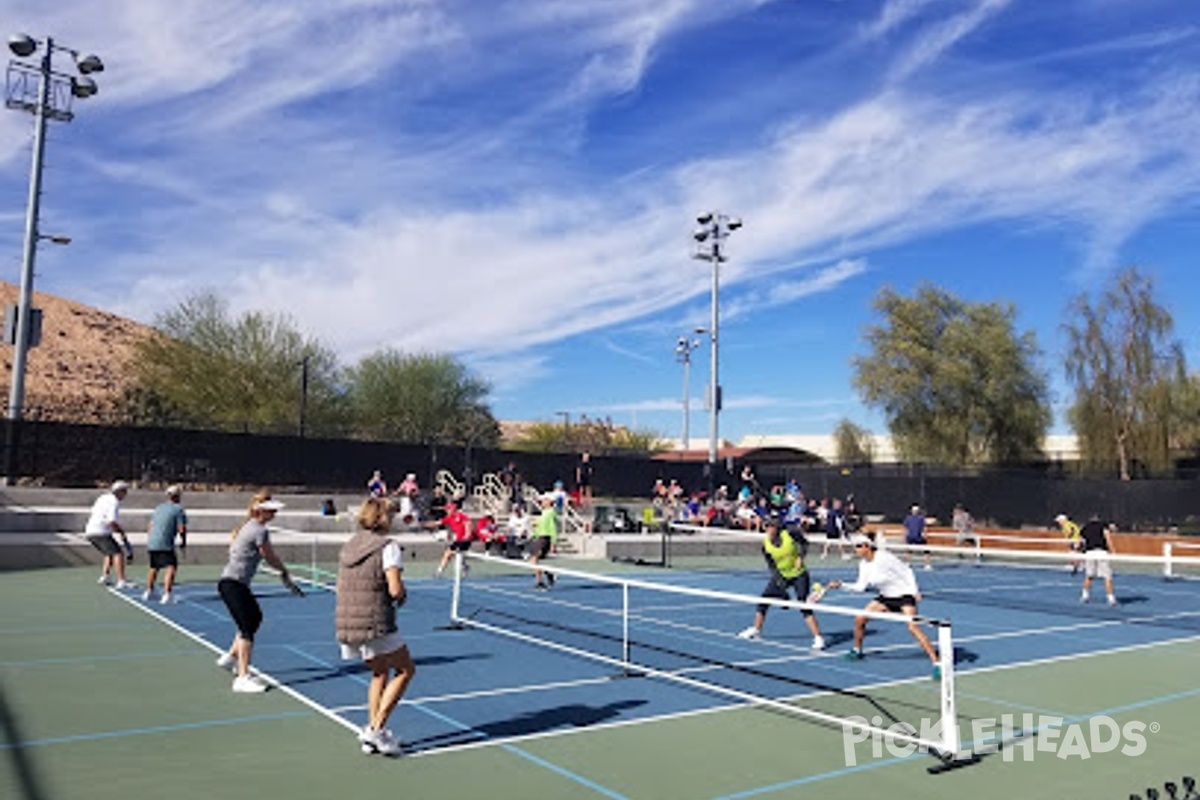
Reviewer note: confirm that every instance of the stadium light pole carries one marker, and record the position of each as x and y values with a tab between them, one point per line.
710	237
683	354
47	94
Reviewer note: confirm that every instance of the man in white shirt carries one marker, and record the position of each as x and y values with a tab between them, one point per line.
898	593
101	525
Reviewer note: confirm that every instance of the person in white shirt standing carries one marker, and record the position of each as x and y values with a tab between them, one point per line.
898	593
101	525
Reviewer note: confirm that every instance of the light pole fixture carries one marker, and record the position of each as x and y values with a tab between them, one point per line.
710	237
48	95
683	354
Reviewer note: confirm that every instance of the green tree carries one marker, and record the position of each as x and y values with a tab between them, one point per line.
853	443
955	380
422	398
1128	373
596	436
207	369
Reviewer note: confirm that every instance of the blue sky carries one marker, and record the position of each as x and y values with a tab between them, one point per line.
517	182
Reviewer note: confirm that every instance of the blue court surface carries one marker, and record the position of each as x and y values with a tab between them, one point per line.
476	687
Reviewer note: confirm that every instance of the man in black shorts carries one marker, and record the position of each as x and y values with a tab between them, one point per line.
898	594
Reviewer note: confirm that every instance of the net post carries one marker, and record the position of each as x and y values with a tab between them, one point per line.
313	555
456	593
950	734
978	549
625	650
1168	551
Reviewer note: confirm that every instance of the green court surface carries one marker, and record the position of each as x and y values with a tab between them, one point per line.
100	700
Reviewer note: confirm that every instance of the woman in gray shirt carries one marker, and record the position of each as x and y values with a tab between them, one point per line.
251	544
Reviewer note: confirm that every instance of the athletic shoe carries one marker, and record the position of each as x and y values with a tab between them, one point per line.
383	742
248	684
854	655
103	580
541	587
146	595
168	599
1083	598
126	585
937	672
226	661
818	643
1112	601
929	567
750	633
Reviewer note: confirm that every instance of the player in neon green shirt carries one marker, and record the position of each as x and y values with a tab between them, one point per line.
545	535
784	555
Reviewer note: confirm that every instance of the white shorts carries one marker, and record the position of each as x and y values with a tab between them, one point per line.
388	643
1096	564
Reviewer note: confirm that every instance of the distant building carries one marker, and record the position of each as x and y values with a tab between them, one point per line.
1057	447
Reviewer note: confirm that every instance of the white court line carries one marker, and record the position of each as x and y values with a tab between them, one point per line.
199	639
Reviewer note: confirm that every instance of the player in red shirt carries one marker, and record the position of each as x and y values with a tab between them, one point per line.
461	535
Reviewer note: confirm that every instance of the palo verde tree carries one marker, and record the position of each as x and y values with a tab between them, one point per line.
207	369
1128	373
420	398
955	380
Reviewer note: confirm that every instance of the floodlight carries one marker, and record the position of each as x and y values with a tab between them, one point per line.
83	87
22	45
89	64
700	234
734	223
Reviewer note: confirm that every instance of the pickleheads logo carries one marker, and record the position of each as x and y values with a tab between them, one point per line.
1015	738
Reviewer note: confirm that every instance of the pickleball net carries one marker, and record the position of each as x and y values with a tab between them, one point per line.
1044	575
687	635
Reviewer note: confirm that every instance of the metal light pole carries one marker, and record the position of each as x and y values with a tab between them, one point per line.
51	99
714	229
683	354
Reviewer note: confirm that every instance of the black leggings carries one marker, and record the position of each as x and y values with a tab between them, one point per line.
242	605
798	584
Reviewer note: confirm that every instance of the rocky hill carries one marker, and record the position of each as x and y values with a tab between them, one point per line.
80	368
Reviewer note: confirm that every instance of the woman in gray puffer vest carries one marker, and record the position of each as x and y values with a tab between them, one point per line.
369	588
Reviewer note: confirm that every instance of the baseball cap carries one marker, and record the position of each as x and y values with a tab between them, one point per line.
1061	518
268	505
119	486
174	490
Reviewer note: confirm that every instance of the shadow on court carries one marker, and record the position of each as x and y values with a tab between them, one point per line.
572	715
27	777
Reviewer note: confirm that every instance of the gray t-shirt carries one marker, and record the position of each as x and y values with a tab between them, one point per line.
244	553
164	525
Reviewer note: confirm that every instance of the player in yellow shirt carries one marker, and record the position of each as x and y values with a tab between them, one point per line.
784	555
1071	531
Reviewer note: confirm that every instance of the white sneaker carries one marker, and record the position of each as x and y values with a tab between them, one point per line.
168	599
383	742
248	684
1112	601
103	580
818	643
1083	598
126	585
750	633
226	661
146	595
929	567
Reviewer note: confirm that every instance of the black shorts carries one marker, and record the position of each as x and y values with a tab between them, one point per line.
800	585
105	543
161	559
539	546
896	604
243	607
461	545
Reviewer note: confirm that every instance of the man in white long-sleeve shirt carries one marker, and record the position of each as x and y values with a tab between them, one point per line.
898	593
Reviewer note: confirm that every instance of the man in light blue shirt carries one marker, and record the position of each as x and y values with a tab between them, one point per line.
168	521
